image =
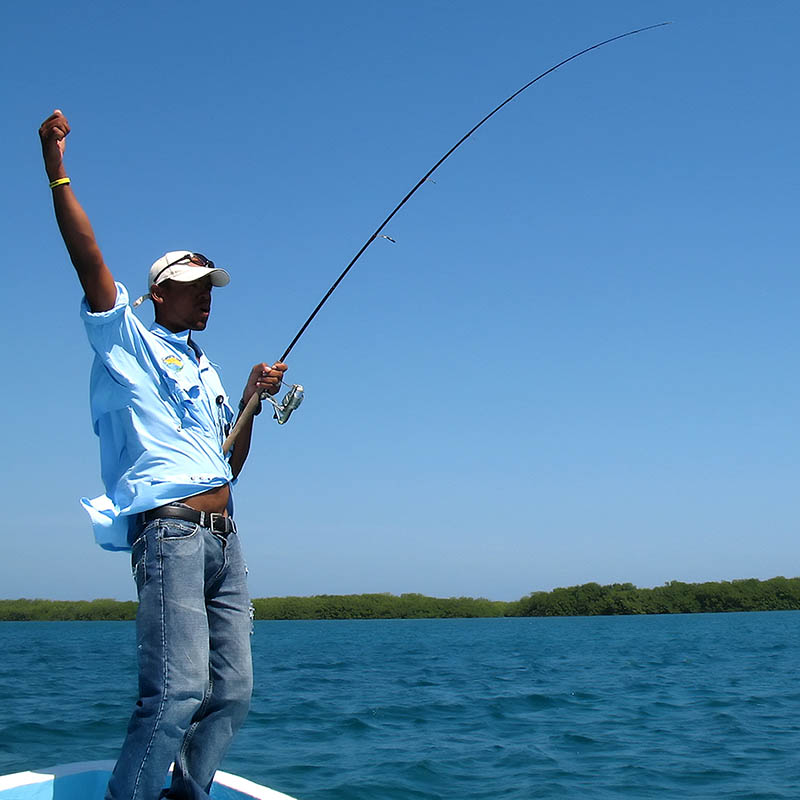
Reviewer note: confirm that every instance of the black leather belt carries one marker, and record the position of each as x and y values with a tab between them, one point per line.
216	523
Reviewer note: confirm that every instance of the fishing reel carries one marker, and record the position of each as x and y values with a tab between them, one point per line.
291	400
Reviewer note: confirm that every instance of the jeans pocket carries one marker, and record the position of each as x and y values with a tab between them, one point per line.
176	529
139	561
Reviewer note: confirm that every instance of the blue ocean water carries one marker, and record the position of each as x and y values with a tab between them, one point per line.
696	706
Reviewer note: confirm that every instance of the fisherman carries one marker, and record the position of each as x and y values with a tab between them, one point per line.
161	413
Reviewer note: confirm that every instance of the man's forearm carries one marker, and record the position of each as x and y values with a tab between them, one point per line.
84	252
77	233
241	448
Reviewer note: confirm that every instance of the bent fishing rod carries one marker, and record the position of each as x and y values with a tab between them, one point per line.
294	396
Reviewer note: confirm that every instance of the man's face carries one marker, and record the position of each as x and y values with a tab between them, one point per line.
183	305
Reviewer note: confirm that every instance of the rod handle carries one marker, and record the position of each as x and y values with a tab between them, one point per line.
247	414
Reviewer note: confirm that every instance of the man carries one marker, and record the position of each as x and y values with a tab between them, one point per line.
161	414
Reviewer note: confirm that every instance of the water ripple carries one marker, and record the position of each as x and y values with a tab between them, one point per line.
608	708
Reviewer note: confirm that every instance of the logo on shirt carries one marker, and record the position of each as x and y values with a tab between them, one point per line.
173	363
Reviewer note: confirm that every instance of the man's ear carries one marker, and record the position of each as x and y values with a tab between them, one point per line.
157	293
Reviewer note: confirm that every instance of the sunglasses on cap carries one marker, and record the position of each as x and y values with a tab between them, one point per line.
191	260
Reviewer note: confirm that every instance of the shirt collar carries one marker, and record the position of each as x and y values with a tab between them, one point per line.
181	339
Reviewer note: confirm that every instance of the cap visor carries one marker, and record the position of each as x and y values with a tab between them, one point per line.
219	277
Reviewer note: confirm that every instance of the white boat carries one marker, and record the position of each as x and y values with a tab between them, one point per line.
87	780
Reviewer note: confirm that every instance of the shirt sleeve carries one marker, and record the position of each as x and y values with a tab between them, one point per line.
116	335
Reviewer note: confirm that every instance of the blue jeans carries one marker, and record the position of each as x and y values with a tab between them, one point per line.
195	671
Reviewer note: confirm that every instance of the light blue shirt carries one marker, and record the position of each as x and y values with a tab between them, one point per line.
161	413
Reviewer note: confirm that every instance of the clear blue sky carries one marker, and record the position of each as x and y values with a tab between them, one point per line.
578	361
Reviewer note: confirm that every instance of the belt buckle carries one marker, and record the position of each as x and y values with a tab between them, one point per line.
219	524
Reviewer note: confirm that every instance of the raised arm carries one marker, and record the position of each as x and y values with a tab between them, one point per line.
76	230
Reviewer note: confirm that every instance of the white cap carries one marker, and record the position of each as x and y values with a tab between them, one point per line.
183	266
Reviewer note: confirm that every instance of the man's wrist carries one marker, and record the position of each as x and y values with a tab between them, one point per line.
243	405
56	174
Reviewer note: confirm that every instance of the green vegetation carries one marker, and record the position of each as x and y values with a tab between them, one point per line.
589	599
674	597
379	606
326	606
64	610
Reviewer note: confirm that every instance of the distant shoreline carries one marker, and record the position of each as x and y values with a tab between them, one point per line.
588	599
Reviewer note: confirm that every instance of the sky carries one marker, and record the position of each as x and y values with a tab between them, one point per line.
576	363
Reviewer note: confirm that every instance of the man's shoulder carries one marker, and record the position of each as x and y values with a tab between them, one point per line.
121	304
117	328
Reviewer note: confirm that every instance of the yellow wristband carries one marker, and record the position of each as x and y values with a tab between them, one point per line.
59	182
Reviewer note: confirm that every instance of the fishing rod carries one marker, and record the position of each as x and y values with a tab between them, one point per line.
294	397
